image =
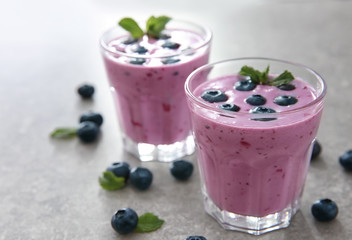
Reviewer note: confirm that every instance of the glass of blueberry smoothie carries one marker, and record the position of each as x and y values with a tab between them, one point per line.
254	121
147	72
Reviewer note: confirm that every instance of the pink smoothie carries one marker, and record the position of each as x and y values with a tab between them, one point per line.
251	167
148	87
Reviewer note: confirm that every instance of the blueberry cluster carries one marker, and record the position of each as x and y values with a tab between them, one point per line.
141	178
141	50
255	100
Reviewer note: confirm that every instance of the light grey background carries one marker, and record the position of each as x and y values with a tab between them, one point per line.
49	188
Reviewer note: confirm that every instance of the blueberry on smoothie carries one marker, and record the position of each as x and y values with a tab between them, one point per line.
130	40
195	238
171	45
164	36
86	91
316	149
181	169
262	110
285	100
346	160
245	85
140	50
87	131
324	210
214	96
141	178
124	221
137	61
229	107
97	118
256	100
120	169
287	87
167	61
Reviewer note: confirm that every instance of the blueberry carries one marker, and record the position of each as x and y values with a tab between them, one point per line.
93	117
245	85
130	40
262	110
285	100
324	210
140	50
256	100
346	160
170	60
124	221
164	36
195	238
214	96
141	178
171	45
181	169
87	131
316	149
120	169
86	91
287	87
137	61
229	107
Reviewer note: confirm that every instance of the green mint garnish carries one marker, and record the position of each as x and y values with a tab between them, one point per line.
132	27
154	26
110	182
259	77
64	133
148	222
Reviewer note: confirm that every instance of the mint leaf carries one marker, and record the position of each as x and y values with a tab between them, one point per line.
283	78
110	182
148	222
256	76
259	77
155	25
64	133
132	27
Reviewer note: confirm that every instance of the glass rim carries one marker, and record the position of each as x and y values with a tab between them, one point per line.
198	101
208	37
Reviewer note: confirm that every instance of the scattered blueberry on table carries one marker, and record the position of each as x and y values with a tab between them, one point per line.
87	131
120	169
324	210
141	178
195	238
181	169
316	149
97	118
346	160
86	91
124	220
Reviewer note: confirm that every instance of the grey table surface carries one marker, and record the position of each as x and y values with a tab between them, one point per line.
49	188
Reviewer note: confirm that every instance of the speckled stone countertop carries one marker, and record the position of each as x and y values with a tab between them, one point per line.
49	188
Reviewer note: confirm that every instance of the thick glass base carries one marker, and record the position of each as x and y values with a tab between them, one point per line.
249	224
162	152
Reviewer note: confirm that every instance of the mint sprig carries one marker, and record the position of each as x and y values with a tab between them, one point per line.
110	182
154	26
259	77
64	133
132	27
148	222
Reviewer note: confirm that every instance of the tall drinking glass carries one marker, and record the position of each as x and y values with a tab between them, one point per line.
147	83
254	154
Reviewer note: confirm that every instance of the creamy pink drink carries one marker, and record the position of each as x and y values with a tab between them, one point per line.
147	79
253	152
